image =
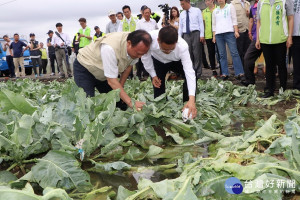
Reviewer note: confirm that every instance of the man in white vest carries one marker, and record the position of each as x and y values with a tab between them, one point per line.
99	64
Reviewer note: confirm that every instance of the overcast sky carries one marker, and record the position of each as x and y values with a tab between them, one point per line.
38	16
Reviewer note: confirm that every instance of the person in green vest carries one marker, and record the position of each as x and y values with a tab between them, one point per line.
84	34
75	43
274	36
128	24
44	57
208	34
98	33
99	64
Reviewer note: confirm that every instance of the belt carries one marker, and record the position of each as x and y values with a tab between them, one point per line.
192	32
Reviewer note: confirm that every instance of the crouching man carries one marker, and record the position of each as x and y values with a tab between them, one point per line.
99	64
170	53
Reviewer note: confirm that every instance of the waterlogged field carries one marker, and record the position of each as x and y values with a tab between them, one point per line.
57	144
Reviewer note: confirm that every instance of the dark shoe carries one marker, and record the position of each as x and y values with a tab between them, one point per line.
224	78
245	83
267	95
70	76
207	67
215	73
240	77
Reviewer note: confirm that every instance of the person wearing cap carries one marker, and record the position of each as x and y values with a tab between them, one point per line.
169	52
98	33
51	53
9	58
61	41
274	35
140	16
120	16
113	25
84	34
44	59
147	24
99	64
16	51
128	24
35	54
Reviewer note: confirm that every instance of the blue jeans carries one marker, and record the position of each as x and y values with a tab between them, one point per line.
221	40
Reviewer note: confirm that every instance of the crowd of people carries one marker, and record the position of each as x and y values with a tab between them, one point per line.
105	59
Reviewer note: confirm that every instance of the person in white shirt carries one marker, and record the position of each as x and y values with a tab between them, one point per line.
60	44
147	24
225	31
170	52
192	29
128	24
9	58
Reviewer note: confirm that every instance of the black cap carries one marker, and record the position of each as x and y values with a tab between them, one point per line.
50	31
96	27
58	24
143	7
31	34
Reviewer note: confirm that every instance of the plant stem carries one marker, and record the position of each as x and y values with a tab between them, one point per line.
29	161
12	166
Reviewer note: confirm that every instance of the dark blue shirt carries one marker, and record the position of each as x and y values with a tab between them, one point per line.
17	48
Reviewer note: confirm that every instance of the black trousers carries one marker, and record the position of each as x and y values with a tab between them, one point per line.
243	43
36	62
141	71
211	53
251	56
52	59
43	68
162	69
84	79
296	62
11	66
275	55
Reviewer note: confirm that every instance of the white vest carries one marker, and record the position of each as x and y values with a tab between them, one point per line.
223	19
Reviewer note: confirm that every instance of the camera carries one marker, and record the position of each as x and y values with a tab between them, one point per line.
165	8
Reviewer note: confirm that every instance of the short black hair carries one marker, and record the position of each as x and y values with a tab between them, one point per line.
138	36
126	6
4	36
145	8
16	34
82	19
58	24
120	13
168	35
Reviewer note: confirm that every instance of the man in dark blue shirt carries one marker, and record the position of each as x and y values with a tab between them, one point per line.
16	50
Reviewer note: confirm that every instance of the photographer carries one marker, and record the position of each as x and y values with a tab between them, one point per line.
35	54
174	18
61	41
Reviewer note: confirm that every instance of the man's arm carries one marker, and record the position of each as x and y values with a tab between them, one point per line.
289	41
200	21
67	40
125	75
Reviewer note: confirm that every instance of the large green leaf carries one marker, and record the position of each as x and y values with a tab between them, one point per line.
10	100
60	169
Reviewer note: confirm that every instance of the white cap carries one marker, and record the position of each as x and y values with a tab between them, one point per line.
111	12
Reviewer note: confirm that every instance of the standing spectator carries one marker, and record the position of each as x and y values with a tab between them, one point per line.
242	8
85	34
296	45
98	33
252	53
207	18
128	24
192	29
274	35
35	54
51	53
113	25
75	43
120	16
61	41
147	24
16	50
44	58
174	18
225	30
140	16
9	58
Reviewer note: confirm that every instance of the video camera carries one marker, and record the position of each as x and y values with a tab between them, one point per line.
165	8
